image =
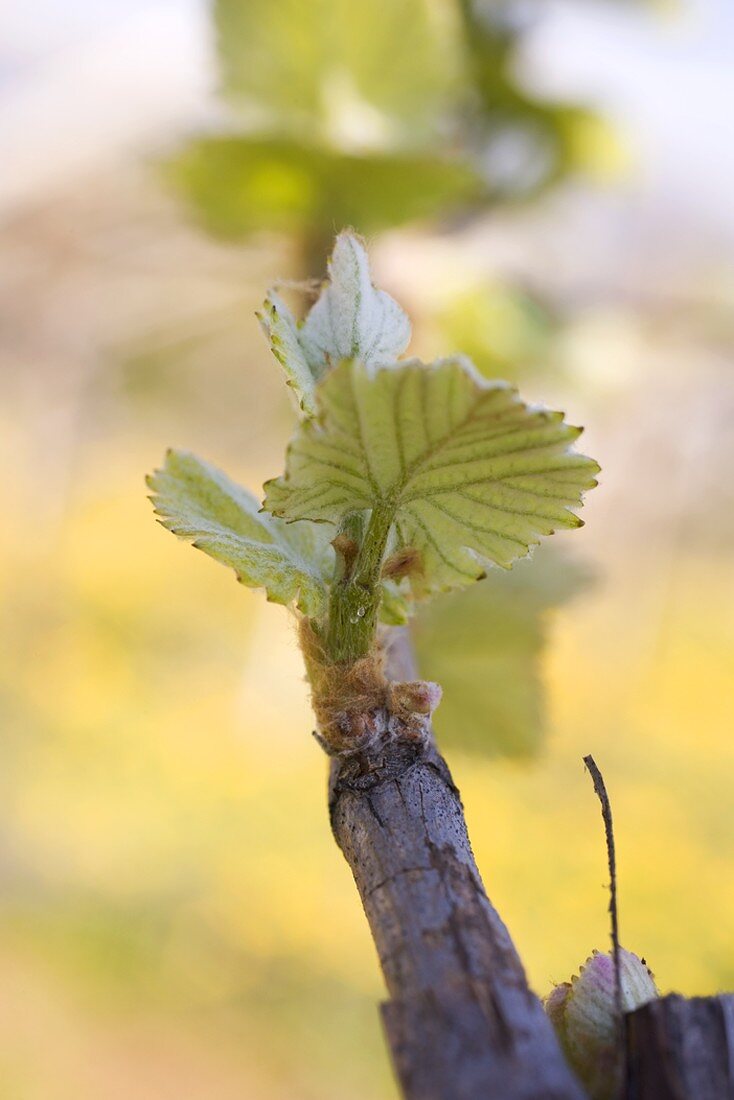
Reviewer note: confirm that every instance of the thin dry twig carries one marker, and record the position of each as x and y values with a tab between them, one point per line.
606	813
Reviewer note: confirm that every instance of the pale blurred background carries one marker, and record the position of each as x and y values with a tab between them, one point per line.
546	186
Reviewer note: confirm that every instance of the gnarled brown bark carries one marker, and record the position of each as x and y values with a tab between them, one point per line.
681	1048
461	1021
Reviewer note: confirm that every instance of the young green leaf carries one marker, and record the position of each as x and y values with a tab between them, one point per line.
200	503
352	319
281	329
464	471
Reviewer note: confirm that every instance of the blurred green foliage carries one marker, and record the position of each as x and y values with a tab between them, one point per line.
484	645
242	185
507	331
339	117
523	143
298	65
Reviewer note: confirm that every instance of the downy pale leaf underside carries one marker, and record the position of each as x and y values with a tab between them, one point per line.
351	319
197	502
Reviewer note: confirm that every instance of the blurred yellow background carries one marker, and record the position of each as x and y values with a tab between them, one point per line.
175	919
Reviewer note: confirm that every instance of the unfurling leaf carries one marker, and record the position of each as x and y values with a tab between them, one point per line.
584	1014
200	503
350	320
281	329
466	473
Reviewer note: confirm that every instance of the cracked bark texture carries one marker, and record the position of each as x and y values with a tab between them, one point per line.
461	1022
681	1049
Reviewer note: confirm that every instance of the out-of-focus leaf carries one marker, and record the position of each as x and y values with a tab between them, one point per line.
199	503
465	471
484	645
523	143
347	117
240	185
340	69
504	330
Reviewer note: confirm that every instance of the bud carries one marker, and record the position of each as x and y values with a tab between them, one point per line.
584	1015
